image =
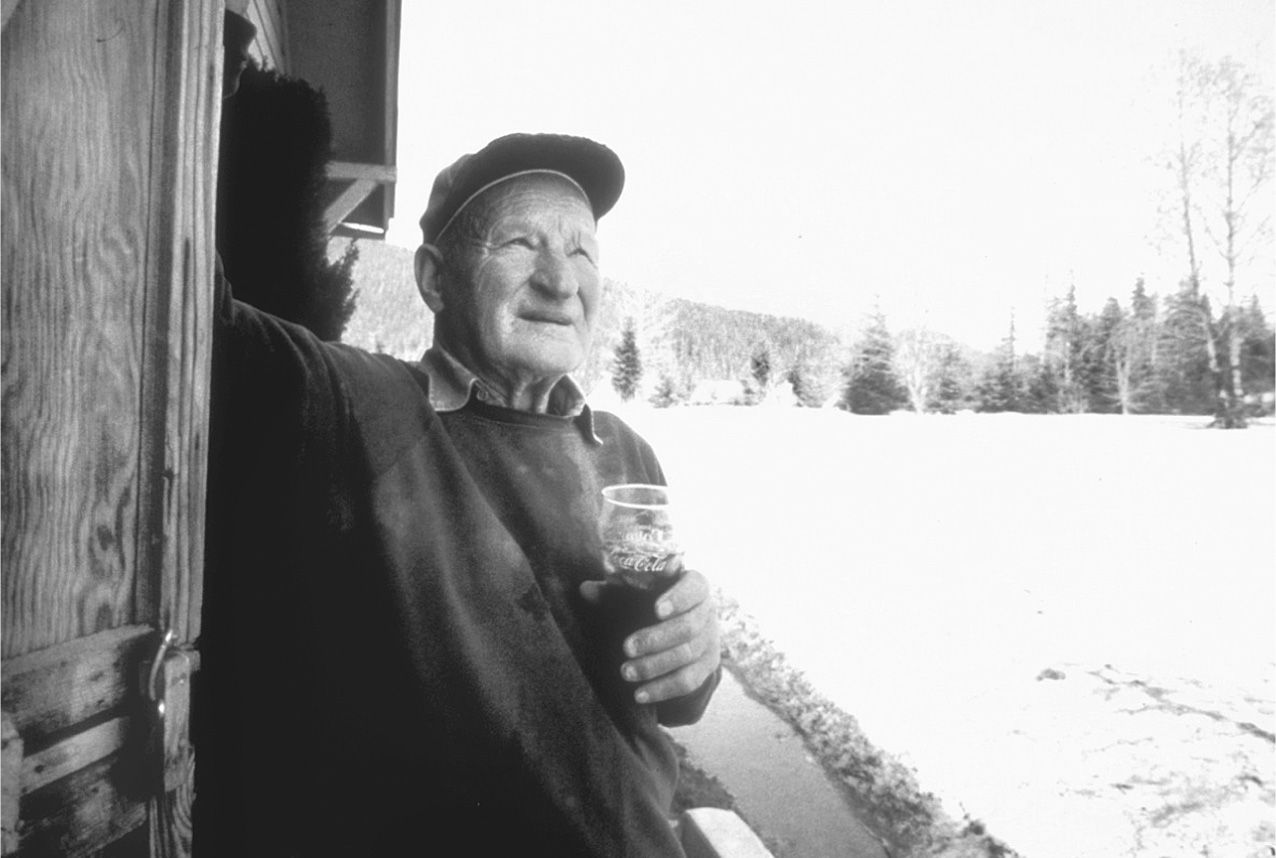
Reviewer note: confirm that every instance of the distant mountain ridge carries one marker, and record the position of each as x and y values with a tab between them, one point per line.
685	341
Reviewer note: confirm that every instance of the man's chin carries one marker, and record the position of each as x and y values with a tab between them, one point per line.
553	364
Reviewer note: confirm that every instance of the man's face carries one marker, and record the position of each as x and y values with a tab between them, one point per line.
520	308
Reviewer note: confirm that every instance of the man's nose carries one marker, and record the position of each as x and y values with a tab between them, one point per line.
553	274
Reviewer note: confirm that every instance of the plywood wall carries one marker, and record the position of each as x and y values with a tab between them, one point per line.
107	257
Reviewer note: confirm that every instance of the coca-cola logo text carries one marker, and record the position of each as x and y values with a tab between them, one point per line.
643	562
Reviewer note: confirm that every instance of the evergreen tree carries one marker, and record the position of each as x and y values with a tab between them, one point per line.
1041	390
760	367
276	141
1258	350
951	381
626	372
806	386
1108	360
1040	394
1001	388
666	393
871	386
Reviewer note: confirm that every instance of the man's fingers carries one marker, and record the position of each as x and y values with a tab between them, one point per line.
676	655
668	661
677	684
692	589
670	633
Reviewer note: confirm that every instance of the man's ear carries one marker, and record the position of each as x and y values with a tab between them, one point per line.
429	276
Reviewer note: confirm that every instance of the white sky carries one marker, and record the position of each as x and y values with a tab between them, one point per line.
950	160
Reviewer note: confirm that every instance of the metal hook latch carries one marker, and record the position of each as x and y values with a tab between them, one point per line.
166	686
153	691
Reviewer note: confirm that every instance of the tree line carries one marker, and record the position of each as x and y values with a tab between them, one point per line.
1205	348
1148	355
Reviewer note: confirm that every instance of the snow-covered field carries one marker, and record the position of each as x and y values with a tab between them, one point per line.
1065	625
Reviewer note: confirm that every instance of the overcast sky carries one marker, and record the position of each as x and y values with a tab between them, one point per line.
948	160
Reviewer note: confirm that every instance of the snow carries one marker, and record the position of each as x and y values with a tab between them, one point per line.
1063	624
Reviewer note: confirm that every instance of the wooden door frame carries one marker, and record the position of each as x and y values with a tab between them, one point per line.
76	718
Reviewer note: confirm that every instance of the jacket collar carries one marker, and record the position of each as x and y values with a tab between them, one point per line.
453	385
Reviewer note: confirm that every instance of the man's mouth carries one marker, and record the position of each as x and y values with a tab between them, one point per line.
550	318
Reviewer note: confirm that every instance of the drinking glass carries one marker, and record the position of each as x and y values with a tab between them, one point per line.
640	545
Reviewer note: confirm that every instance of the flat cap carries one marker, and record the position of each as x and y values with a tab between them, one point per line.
592	166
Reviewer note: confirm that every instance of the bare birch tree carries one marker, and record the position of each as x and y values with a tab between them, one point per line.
917	357
1123	358
1222	166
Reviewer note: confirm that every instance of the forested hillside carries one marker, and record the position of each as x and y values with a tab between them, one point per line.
389	315
683	343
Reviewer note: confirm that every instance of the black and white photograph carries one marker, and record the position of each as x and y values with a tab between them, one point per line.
652	430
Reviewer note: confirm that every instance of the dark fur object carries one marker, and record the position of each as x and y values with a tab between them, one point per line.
276	140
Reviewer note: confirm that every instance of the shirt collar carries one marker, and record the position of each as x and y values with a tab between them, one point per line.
453	385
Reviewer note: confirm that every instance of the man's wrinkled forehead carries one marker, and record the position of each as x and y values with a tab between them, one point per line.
482	203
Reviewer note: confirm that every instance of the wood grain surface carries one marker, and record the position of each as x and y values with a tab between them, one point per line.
11	754
51	691
110	111
76	175
82	749
109	170
82	813
178	319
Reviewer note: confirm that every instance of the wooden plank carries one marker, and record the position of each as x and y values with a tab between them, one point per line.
174	449
178	295
52	690
8	8
169	812
10	785
171	828
393	26
175	676
393	35
82	813
338	170
280	15
77	165
82	679
131	845
174	824
339	208
81	750
269	46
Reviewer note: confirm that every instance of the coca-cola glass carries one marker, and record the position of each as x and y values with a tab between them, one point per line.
640	545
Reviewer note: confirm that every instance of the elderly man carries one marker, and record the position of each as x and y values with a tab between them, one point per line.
408	645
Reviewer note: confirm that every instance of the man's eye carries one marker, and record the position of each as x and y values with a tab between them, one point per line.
520	241
582	252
